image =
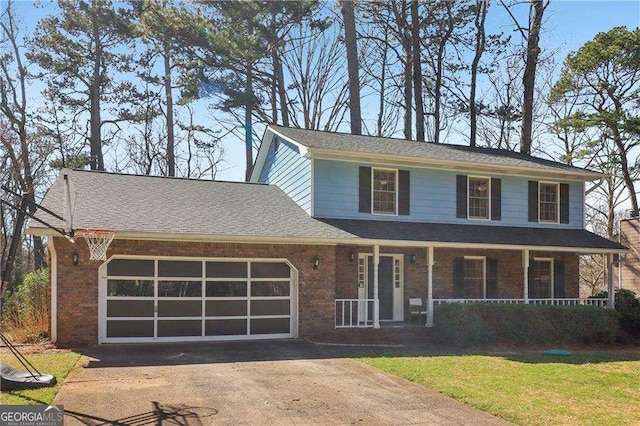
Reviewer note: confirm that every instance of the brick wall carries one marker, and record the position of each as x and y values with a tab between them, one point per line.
336	277
630	264
78	284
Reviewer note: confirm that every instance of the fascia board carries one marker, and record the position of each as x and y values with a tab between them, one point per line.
343	241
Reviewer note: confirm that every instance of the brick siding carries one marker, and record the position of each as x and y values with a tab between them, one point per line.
336	277
630	263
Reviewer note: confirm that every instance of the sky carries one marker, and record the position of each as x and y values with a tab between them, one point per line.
567	26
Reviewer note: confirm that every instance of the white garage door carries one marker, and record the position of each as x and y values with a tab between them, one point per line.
177	299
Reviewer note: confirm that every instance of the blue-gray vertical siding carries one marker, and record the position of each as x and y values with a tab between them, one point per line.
287	169
433	197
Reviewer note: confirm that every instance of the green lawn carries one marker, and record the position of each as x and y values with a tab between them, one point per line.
59	364
599	388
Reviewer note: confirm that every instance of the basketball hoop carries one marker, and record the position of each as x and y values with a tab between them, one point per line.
98	241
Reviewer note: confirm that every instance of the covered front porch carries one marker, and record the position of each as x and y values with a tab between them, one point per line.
390	285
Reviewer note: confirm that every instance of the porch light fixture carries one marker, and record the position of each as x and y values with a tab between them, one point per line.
75	258
316	263
352	257
412	258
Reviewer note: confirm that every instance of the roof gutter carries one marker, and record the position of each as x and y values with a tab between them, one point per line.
335	241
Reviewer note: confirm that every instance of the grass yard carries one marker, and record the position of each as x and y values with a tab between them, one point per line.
599	388
59	363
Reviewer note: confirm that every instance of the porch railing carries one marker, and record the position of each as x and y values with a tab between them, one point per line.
597	302
354	313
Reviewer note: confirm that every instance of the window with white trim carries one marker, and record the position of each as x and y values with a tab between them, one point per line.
548	202
384	191
478	192
474	278
541	282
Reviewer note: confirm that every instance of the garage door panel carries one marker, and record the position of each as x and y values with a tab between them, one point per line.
179	328
226	269
130	308
269	270
179	269
179	308
270	307
270	288
226	289
270	326
226	308
125	328
179	288
131	288
226	327
131	268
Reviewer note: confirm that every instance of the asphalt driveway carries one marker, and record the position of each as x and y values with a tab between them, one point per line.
249	383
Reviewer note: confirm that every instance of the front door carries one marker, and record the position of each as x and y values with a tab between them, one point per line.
390	291
385	286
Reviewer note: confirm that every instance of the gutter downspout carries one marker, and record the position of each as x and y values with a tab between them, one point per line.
53	273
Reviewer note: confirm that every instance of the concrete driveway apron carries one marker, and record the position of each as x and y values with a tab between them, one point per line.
249	383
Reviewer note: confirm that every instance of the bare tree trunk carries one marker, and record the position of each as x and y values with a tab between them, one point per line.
437	89
417	70
481	14
399	8
282	93
95	136
529	77
171	160
348	15
383	73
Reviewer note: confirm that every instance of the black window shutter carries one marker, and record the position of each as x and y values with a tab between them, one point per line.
496	199
564	203
461	196
558	279
403	192
492	278
365	190
533	201
458	278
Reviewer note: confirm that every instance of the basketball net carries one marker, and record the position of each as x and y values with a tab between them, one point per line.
98	241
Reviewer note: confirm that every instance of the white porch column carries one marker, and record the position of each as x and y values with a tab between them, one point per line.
611	288
525	265
376	301
430	287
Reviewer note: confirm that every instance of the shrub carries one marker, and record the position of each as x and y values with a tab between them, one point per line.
26	312
478	323
628	306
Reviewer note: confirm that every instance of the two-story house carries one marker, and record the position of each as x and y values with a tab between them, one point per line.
334	231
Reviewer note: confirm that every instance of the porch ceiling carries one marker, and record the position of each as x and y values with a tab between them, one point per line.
508	236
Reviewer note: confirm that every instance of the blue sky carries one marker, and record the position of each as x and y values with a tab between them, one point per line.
568	25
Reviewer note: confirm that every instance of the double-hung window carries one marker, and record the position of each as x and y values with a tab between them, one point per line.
479	197
549	205
474	278
541	285
384	191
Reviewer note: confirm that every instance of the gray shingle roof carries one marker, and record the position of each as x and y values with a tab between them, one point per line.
422	150
130	203
159	205
473	234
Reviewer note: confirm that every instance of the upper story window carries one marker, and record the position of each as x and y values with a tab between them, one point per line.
548	202
549	194
479	190
478	197
384	191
